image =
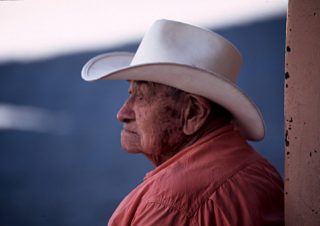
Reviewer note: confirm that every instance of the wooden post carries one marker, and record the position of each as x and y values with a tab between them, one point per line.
302	114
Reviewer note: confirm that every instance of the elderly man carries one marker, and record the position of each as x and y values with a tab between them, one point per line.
185	113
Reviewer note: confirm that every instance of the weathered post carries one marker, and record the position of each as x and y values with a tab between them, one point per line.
302	114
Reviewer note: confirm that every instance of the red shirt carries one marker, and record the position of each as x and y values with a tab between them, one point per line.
219	180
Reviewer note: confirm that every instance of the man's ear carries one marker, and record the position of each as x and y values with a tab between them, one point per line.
196	112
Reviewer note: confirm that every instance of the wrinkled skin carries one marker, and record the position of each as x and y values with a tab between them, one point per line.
152	122
158	123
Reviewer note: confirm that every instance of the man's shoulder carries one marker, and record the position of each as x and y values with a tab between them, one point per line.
186	185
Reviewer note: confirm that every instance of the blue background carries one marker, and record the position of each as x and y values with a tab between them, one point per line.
78	175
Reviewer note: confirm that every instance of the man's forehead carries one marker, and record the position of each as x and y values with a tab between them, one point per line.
138	86
148	87
153	88
138	83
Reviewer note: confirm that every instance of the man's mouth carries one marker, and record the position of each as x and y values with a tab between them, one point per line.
127	130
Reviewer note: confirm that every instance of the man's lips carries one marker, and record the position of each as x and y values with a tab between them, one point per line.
128	130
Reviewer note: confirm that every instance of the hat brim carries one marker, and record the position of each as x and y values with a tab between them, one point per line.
116	66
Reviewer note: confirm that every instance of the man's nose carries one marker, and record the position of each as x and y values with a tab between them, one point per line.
125	114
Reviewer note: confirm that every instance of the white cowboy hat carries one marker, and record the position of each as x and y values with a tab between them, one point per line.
189	58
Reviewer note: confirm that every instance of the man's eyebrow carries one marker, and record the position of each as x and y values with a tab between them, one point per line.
130	86
135	84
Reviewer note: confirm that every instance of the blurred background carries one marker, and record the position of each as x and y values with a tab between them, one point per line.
60	157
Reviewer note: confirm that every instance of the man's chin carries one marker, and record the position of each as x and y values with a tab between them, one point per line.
130	148
130	141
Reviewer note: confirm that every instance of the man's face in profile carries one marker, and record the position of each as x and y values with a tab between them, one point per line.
152	120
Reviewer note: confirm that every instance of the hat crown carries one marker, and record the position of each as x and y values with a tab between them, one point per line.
179	43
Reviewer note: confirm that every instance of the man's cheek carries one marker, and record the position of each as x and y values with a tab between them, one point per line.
148	141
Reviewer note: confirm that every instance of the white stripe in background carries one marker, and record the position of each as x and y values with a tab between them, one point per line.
35	119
